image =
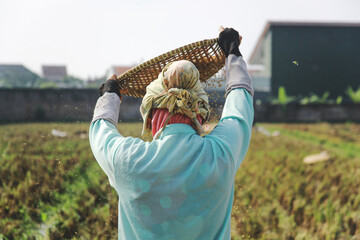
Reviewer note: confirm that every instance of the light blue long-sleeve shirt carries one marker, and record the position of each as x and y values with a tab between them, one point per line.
180	186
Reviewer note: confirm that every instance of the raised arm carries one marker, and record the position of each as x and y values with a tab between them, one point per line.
103	135
233	132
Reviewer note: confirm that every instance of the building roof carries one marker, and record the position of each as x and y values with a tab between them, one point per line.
11	69
298	24
54	72
16	75
314	24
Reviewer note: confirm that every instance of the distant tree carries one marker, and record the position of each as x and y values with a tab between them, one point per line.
38	82
72	82
49	85
95	83
4	83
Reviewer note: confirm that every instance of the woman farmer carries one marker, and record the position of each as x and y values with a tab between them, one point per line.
180	185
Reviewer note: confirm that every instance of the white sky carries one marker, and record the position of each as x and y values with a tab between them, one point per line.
89	36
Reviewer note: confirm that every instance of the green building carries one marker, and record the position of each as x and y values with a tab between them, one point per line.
307	58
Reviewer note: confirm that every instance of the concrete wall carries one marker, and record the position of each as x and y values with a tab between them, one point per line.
307	113
23	105
27	105
18	105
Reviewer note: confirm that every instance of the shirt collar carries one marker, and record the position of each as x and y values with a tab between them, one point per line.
177	128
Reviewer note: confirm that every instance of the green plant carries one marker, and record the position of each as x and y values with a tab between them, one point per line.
313	98
354	95
282	98
339	100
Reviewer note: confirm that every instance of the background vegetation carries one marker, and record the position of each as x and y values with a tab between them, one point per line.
351	95
53	187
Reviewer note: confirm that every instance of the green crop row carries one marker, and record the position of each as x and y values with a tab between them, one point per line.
52	187
278	196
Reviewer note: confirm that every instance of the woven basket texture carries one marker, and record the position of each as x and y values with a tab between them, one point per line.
206	55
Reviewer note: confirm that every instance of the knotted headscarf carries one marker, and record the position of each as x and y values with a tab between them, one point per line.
179	90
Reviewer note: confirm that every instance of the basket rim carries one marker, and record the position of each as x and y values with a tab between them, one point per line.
164	56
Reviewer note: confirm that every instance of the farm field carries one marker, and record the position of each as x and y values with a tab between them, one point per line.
52	188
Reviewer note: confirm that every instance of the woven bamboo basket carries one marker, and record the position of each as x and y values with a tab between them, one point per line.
206	55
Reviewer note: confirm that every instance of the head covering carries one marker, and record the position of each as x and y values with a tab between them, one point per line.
177	89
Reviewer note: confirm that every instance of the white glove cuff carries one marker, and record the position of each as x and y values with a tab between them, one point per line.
108	108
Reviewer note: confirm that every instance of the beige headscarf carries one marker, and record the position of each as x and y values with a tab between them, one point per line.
179	90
